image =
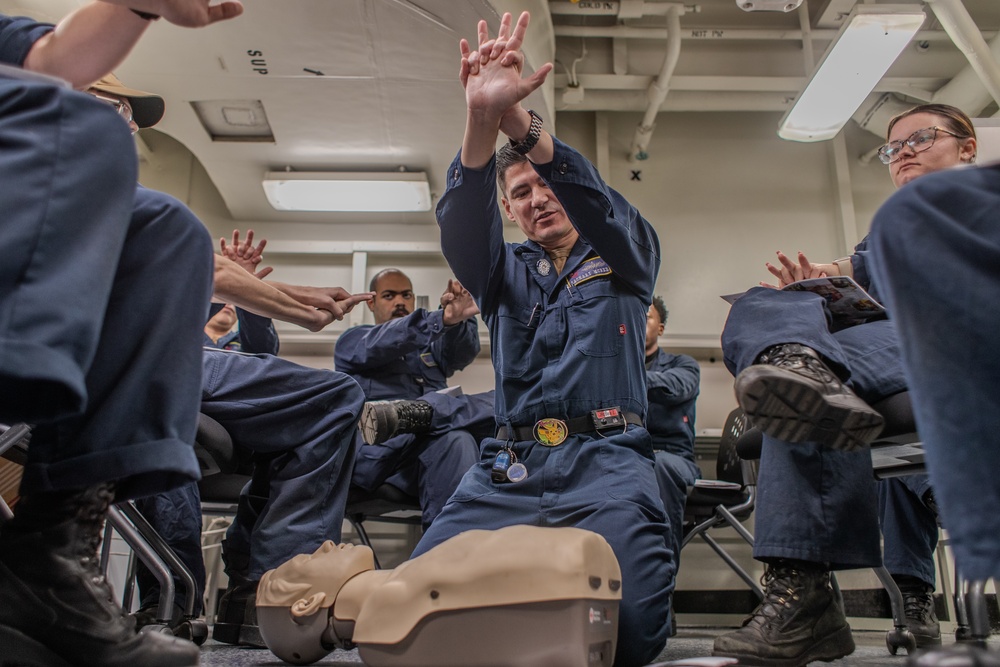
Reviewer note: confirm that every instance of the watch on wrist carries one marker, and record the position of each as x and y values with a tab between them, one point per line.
524	146
146	16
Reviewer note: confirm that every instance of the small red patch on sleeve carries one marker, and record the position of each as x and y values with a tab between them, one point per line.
621	329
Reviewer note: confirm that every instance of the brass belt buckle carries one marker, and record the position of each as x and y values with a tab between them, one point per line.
550	432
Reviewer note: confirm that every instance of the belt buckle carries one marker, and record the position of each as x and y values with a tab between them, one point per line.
550	432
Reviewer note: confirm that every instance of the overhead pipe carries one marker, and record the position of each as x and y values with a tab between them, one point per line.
680	100
955	20
967	90
659	88
724	34
623	9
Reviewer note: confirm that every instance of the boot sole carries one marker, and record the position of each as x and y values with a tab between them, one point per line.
832	647
373	422
237	634
794	411
20	650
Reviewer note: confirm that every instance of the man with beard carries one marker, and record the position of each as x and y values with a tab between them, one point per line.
409	353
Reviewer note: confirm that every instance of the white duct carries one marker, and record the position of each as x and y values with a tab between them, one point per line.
969	90
659	88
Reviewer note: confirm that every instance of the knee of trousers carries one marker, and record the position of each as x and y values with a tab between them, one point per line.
98	132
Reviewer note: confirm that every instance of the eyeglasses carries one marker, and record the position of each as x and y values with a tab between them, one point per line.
919	141
123	108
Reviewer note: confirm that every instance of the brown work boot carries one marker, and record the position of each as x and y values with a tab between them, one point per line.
799	621
791	395
57	608
380	420
918	609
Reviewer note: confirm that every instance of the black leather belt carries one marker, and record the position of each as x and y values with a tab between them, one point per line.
552	432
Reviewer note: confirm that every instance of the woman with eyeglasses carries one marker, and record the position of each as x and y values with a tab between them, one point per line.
806	380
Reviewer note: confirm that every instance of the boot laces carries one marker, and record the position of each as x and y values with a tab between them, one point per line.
918	604
90	517
794	357
782	586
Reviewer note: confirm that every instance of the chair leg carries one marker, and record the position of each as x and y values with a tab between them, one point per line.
357	523
733	565
148	556
900	636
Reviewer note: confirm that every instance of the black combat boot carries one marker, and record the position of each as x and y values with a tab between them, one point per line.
918	608
799	621
380	420
236	618
792	395
956	655
57	609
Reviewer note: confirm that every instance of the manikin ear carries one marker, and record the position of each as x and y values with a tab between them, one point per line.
307	606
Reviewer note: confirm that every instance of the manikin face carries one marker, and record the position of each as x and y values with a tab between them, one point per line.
393	298
947	151
654	328
532	205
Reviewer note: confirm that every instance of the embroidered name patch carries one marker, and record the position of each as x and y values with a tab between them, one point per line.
592	268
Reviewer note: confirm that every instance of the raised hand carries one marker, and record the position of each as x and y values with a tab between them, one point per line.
491	74
245	254
458	304
194	13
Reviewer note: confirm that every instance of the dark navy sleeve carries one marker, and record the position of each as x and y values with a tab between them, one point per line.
859	265
458	347
257	334
606	220
677	384
472	229
362	349
17	36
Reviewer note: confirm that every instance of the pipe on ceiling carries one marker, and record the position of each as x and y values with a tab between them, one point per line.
659	88
971	90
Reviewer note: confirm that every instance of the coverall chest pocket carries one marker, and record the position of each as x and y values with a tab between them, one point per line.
593	316
513	340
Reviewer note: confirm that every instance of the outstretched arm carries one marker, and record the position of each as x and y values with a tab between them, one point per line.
94	39
235	285
494	89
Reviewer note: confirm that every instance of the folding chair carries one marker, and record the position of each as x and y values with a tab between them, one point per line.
727	500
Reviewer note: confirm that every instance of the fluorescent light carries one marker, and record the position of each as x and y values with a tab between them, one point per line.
868	43
348	191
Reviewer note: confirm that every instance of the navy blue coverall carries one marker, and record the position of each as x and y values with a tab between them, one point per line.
98	349
673	382
813	503
176	514
564	345
409	358
937	242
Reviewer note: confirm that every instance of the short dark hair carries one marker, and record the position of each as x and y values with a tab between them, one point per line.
383	273
507	157
661	309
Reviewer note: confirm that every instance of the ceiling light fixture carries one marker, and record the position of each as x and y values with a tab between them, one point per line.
348	191
868	43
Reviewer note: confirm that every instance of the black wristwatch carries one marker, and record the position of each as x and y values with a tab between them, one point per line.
146	16
524	146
